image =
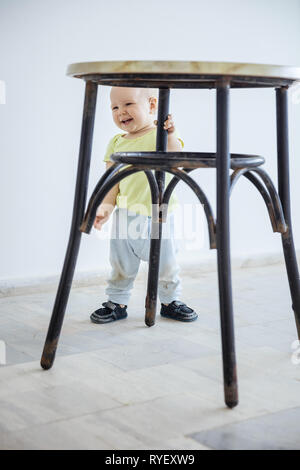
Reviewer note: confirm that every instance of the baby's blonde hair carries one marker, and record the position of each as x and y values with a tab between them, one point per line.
145	92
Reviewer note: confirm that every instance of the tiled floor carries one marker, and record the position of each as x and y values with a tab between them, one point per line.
127	386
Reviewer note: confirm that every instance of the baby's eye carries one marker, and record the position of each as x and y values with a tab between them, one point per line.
128	104
115	107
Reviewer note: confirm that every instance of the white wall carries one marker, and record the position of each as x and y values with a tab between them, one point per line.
40	122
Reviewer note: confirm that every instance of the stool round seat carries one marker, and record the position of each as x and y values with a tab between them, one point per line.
183	74
184	159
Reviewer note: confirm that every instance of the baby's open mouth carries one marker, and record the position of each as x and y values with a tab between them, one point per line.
127	121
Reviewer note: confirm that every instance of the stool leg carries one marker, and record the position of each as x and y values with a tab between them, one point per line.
223	246
153	270
66	278
284	194
156	231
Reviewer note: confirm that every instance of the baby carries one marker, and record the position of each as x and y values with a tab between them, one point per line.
133	111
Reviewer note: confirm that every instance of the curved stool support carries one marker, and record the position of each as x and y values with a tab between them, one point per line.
245	172
269	195
274	197
109	173
103	189
182	174
90	215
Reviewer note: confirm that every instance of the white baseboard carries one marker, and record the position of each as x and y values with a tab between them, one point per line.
200	263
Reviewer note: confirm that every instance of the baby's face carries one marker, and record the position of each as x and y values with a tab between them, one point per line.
132	108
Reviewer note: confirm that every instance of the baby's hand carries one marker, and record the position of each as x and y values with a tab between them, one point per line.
168	124
100	219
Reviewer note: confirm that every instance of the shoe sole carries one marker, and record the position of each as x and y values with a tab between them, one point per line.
98	320
180	318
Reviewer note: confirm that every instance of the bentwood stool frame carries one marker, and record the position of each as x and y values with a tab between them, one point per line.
192	75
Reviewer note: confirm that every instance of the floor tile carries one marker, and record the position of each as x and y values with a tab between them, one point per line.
275	431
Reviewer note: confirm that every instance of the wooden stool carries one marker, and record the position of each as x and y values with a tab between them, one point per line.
166	75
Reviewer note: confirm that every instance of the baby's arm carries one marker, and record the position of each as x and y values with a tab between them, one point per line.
174	144
107	205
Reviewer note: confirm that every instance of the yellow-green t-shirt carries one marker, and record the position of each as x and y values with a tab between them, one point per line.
134	190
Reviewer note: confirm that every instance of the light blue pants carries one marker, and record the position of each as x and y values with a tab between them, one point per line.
129	245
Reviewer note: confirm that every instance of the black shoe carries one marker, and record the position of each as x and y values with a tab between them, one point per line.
177	310
110	312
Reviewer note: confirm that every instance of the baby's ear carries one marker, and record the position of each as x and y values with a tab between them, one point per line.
153	103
